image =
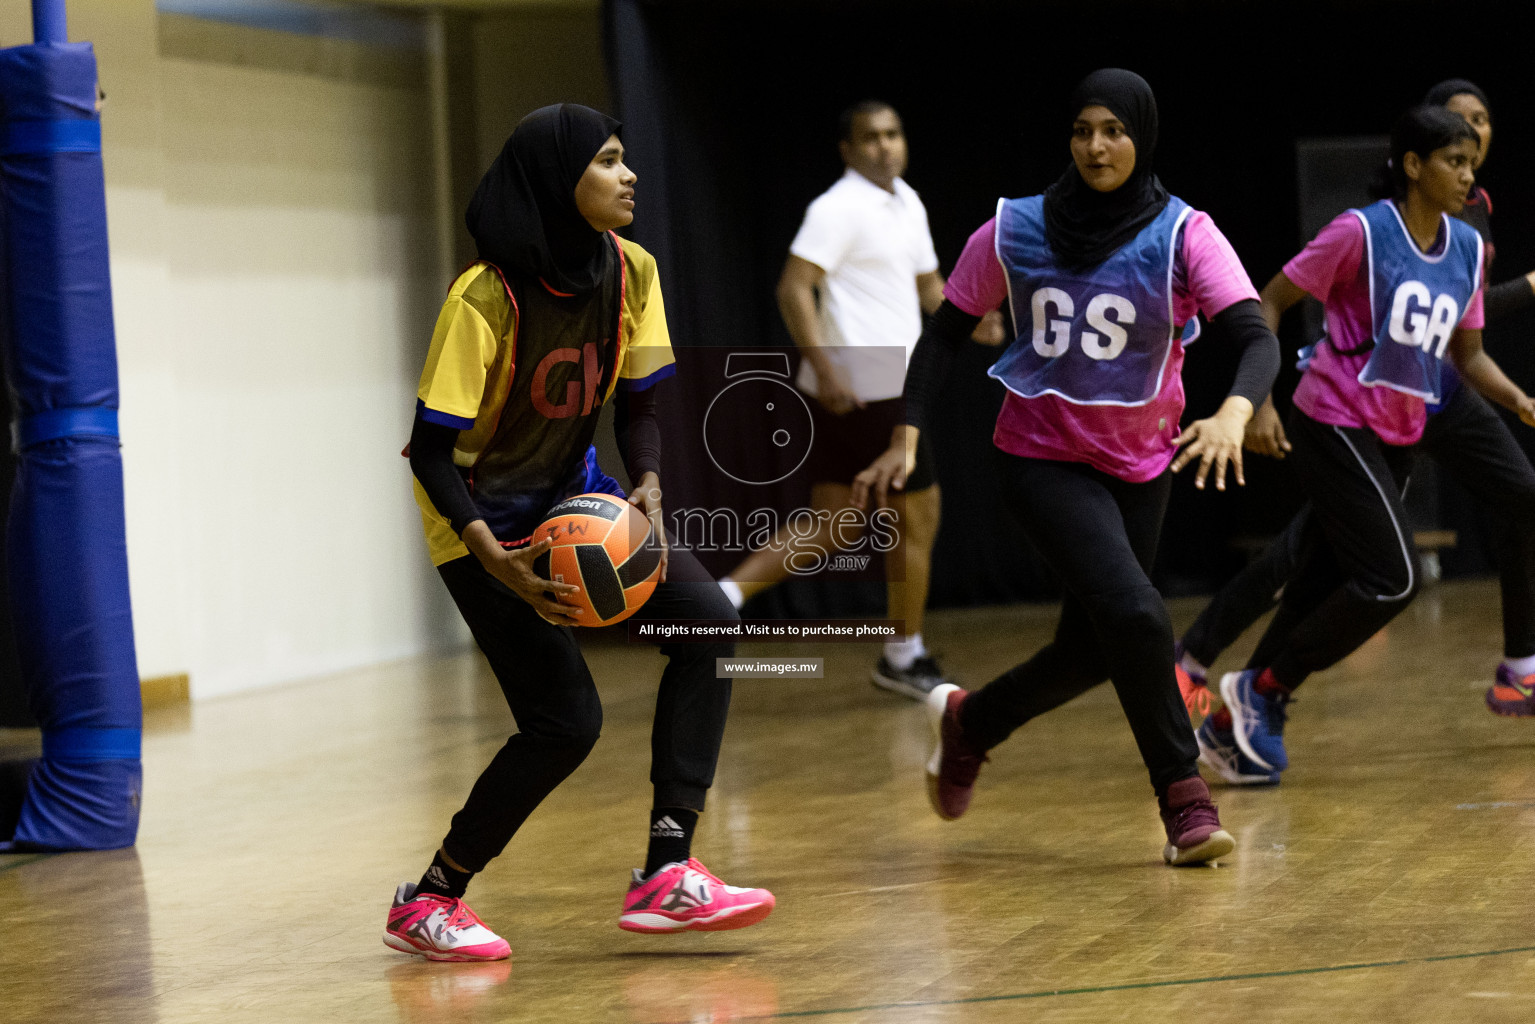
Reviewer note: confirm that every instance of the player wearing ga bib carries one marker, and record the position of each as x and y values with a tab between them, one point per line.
1416	299
1103	271
1464	420
1400	283
1359	271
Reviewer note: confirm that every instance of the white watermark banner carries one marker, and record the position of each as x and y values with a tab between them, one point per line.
769	668
855	631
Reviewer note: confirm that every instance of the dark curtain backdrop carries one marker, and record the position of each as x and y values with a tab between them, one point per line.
730	112
15	711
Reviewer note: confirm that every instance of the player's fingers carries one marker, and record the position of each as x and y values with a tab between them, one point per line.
1189	433
556	612
1220	470
881	491
1205	459
860	493
1236	468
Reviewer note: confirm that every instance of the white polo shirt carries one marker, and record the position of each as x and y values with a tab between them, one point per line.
872	245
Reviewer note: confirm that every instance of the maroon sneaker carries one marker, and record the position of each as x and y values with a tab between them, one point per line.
1194	833
952	769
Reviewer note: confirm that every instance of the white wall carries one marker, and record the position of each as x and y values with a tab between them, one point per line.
274	285
275	279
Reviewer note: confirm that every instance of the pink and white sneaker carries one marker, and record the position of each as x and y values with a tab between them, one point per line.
687	897
439	928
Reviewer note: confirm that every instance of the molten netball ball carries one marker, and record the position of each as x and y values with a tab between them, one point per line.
602	544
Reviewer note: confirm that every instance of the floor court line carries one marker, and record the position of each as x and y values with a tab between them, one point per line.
1091	990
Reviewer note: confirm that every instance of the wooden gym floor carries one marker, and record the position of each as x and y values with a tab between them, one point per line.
1389	879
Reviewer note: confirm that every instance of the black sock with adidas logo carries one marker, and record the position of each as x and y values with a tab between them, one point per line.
442	880
671	837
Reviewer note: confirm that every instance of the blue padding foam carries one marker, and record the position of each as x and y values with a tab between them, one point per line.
40	137
92	744
91	421
66	546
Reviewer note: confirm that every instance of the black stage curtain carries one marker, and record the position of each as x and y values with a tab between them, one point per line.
730	112
15	711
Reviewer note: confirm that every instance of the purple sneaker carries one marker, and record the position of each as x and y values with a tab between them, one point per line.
1512	695
1194	833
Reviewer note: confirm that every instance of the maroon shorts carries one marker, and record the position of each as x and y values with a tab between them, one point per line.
845	445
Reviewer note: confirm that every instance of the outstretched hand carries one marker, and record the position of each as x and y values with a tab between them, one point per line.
890	471
1217	442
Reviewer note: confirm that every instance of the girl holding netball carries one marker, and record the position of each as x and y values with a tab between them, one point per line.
1401	284
557	317
1103	271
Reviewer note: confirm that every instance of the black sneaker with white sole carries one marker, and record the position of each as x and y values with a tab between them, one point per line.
916	681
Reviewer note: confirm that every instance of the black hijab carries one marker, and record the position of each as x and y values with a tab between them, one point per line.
523	215
1440	94
1085	227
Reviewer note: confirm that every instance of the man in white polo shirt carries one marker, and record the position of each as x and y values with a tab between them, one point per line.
865	248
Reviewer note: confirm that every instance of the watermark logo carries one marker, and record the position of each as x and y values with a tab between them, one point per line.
760	401
811	540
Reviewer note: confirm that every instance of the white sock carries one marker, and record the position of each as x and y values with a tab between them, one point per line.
1192	666
733	591
901	653
1521	666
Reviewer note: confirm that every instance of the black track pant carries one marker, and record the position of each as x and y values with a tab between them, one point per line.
559	716
1100	535
1472	442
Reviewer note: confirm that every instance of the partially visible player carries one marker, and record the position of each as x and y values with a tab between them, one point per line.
556	318
1401	284
1104	270
860	274
1463	417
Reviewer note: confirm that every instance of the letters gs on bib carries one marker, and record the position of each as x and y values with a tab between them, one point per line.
1108	313
1421	319
1104	335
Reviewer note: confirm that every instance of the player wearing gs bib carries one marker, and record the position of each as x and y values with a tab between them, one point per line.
1462	419
556	318
1103	272
1401	285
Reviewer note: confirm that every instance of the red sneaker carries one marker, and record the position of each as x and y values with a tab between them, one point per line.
687	897
1194	687
439	928
1194	833
952	769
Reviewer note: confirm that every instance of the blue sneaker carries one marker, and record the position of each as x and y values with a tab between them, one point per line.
1219	752
1257	720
